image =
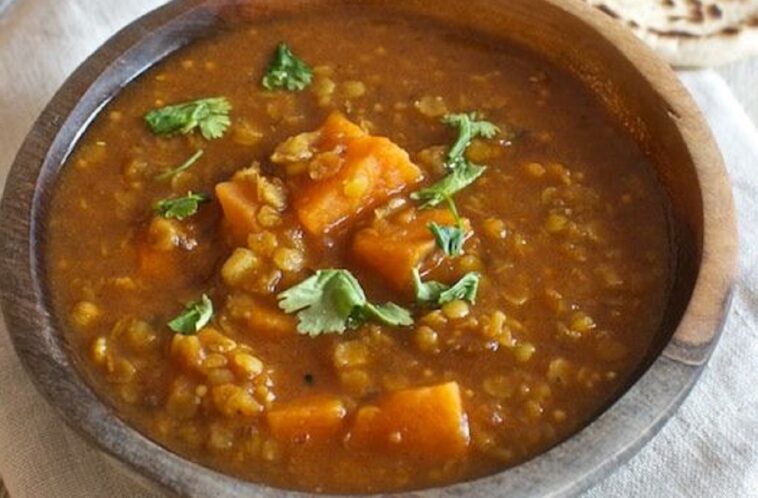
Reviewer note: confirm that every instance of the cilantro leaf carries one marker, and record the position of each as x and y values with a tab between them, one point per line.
211	115
181	207
468	129
324	301
449	238
286	70
463	175
466	288
389	314
436	294
184	166
332	300
194	317
462	171
427	292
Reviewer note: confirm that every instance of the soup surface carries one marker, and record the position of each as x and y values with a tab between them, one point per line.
317	285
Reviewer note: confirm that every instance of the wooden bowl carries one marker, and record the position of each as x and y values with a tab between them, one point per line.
635	85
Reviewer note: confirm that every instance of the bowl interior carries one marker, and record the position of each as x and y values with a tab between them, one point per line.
640	91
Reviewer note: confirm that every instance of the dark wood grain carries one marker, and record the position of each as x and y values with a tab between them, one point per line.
637	88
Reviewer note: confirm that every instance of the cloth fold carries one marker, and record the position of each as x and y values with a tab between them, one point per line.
708	449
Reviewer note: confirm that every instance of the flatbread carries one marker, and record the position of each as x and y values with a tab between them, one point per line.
691	33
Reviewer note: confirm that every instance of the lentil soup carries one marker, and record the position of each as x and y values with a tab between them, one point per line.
412	259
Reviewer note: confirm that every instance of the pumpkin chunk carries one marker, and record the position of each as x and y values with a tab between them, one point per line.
392	247
338	130
271	321
240	206
316	420
159	252
427	422
261	319
348	171
245	197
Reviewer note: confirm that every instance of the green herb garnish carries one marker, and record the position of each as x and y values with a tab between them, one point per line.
194	317
387	314
462	171
427	292
332	300
181	207
463	175
466	288
450	238
211	115
468	129
436	294
184	166
286	70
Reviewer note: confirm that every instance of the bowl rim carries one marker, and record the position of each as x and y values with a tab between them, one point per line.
44	352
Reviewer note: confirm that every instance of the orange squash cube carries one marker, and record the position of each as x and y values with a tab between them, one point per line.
315	420
361	172
428	422
393	247
270	321
239	203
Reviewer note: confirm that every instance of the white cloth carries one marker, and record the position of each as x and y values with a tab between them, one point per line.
708	449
